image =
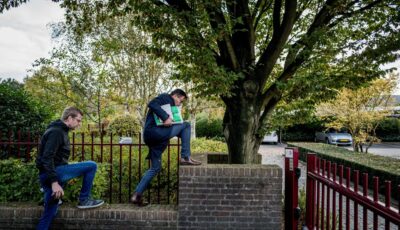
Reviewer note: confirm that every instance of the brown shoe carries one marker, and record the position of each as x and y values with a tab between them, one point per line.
189	161
137	200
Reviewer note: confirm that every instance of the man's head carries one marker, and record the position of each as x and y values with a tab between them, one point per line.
179	96
72	117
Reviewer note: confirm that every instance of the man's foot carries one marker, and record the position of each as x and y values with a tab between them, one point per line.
89	203
189	161
137	200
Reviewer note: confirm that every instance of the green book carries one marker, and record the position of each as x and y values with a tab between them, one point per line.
173	111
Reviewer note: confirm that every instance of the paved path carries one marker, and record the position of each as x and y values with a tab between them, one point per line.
274	154
388	149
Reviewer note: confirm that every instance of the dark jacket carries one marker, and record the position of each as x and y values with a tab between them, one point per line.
153	134
54	149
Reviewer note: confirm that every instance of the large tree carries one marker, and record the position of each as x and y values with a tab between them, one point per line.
255	53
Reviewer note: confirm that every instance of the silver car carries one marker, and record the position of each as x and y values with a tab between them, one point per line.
334	137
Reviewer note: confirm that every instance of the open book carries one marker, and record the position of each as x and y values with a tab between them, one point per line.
173	111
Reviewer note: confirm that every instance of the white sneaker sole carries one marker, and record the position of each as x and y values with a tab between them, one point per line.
92	206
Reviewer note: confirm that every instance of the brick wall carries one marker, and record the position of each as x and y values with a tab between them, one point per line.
230	196
26	216
210	197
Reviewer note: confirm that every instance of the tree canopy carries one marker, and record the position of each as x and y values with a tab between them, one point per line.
254	54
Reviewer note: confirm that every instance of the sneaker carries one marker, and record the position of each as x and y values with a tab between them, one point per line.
89	203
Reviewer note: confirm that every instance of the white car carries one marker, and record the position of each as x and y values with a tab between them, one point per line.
125	140
271	137
334	137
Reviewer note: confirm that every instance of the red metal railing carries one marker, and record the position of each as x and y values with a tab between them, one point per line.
292	174
329	188
126	163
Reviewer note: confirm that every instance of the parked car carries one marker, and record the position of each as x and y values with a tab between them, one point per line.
334	137
271	137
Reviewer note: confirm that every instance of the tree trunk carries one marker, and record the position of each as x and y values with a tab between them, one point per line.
241	126
192	119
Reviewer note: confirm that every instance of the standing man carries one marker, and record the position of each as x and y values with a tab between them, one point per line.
54	169
157	137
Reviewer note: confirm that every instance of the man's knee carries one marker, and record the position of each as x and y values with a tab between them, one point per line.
156	168
91	164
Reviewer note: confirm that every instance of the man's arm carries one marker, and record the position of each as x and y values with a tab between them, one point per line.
155	106
50	149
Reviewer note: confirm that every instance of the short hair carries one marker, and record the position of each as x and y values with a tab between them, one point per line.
178	92
70	111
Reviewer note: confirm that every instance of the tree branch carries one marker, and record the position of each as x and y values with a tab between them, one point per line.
279	38
355	12
225	45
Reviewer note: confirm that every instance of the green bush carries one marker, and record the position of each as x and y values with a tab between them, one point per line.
124	125
203	145
19	111
389	129
209	128
302	132
19	182
386	168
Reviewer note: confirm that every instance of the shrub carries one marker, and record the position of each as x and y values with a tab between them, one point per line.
124	125
19	110
19	182
202	145
302	132
389	129
210	128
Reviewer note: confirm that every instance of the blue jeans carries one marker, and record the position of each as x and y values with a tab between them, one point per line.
178	130
86	169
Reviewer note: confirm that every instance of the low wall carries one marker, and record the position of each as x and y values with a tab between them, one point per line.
116	216
210	197
230	196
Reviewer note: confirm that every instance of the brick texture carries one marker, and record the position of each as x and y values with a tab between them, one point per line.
230	197
26	216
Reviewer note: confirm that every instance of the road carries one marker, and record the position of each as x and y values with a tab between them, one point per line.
388	149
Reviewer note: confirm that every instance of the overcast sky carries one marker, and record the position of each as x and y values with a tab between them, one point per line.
25	37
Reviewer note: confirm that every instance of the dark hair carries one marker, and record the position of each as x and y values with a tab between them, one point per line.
178	92
70	111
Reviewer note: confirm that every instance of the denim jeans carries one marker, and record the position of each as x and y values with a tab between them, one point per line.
87	169
178	130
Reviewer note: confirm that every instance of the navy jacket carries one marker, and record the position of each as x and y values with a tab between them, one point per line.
54	149
157	135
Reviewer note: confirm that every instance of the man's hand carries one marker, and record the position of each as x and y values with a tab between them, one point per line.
58	191
168	122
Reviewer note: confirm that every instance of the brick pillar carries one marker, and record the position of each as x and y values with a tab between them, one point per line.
230	196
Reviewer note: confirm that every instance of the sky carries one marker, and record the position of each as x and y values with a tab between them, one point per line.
25	36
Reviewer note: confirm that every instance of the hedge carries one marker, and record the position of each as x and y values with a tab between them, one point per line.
386	168
19	182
